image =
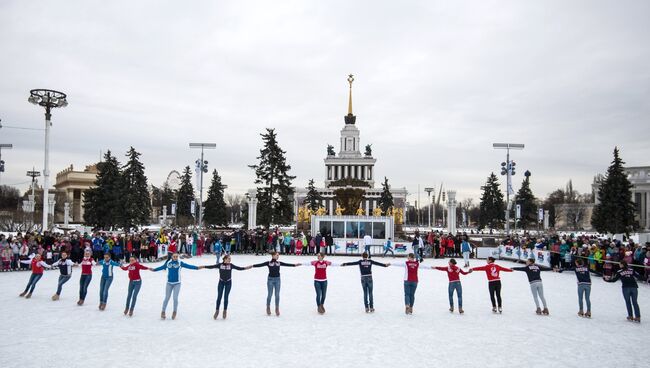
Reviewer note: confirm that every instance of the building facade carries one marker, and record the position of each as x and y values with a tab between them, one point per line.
74	184
351	167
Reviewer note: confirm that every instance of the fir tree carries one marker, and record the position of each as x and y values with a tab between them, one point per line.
135	192
215	205
103	203
313	199
275	194
492	206
615	211
386	199
184	198
526	200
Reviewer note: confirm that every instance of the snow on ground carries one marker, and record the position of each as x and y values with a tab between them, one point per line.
39	332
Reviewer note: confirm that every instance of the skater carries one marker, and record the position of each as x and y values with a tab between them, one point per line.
411	267
65	267
494	282
584	287
87	263
37	265
107	279
630	290
453	273
365	266
535	280
173	267
466	249
225	282
388	247
320	280
273	281
135	282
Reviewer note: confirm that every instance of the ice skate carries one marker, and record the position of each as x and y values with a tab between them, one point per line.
451	309
500	310
29	295
130	312
629	318
538	311
460	310
372	310
277	311
406	309
545	311
23	294
162	315
216	314
126	310
55	297
80	302
367	310
225	313
580	313
588	314
637	319
268	311
322	308
174	315
494	309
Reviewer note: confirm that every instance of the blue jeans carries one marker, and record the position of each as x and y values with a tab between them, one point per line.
132	295
386	250
366	285
409	292
104	285
630	295
169	289
273	283
223	290
459	292
62	280
584	290
84	281
321	291
366	248
33	279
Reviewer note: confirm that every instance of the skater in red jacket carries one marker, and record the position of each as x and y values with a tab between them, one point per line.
453	273
494	282
38	265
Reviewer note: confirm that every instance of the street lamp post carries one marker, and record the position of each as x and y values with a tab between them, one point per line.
429	190
508	169
2	163
49	99
203	168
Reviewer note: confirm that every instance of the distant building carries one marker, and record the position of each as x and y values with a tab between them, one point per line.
639	177
350	168
74	184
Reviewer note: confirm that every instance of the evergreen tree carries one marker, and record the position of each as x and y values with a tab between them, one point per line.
275	194
492	205
526	200
135	192
313	199
615	211
386	199
215	205
103	203
184	198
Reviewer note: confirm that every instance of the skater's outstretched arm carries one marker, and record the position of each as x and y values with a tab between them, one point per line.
263	264
289	264
238	268
355	263
379	263
211	266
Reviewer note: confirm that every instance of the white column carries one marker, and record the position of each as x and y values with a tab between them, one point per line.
451	212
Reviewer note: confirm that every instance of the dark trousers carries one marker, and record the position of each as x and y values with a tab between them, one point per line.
132	296
366	285
223	290
62	280
495	291
630	295
84	281
33	280
321	291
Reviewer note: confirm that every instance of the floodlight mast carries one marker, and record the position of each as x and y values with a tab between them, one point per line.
507	168
203	168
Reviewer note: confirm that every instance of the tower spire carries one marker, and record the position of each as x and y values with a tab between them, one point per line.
349	118
350	80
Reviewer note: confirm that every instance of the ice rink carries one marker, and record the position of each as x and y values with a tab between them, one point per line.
40	332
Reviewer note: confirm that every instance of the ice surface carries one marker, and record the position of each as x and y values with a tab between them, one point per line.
39	332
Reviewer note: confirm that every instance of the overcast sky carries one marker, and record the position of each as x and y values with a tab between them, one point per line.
436	83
